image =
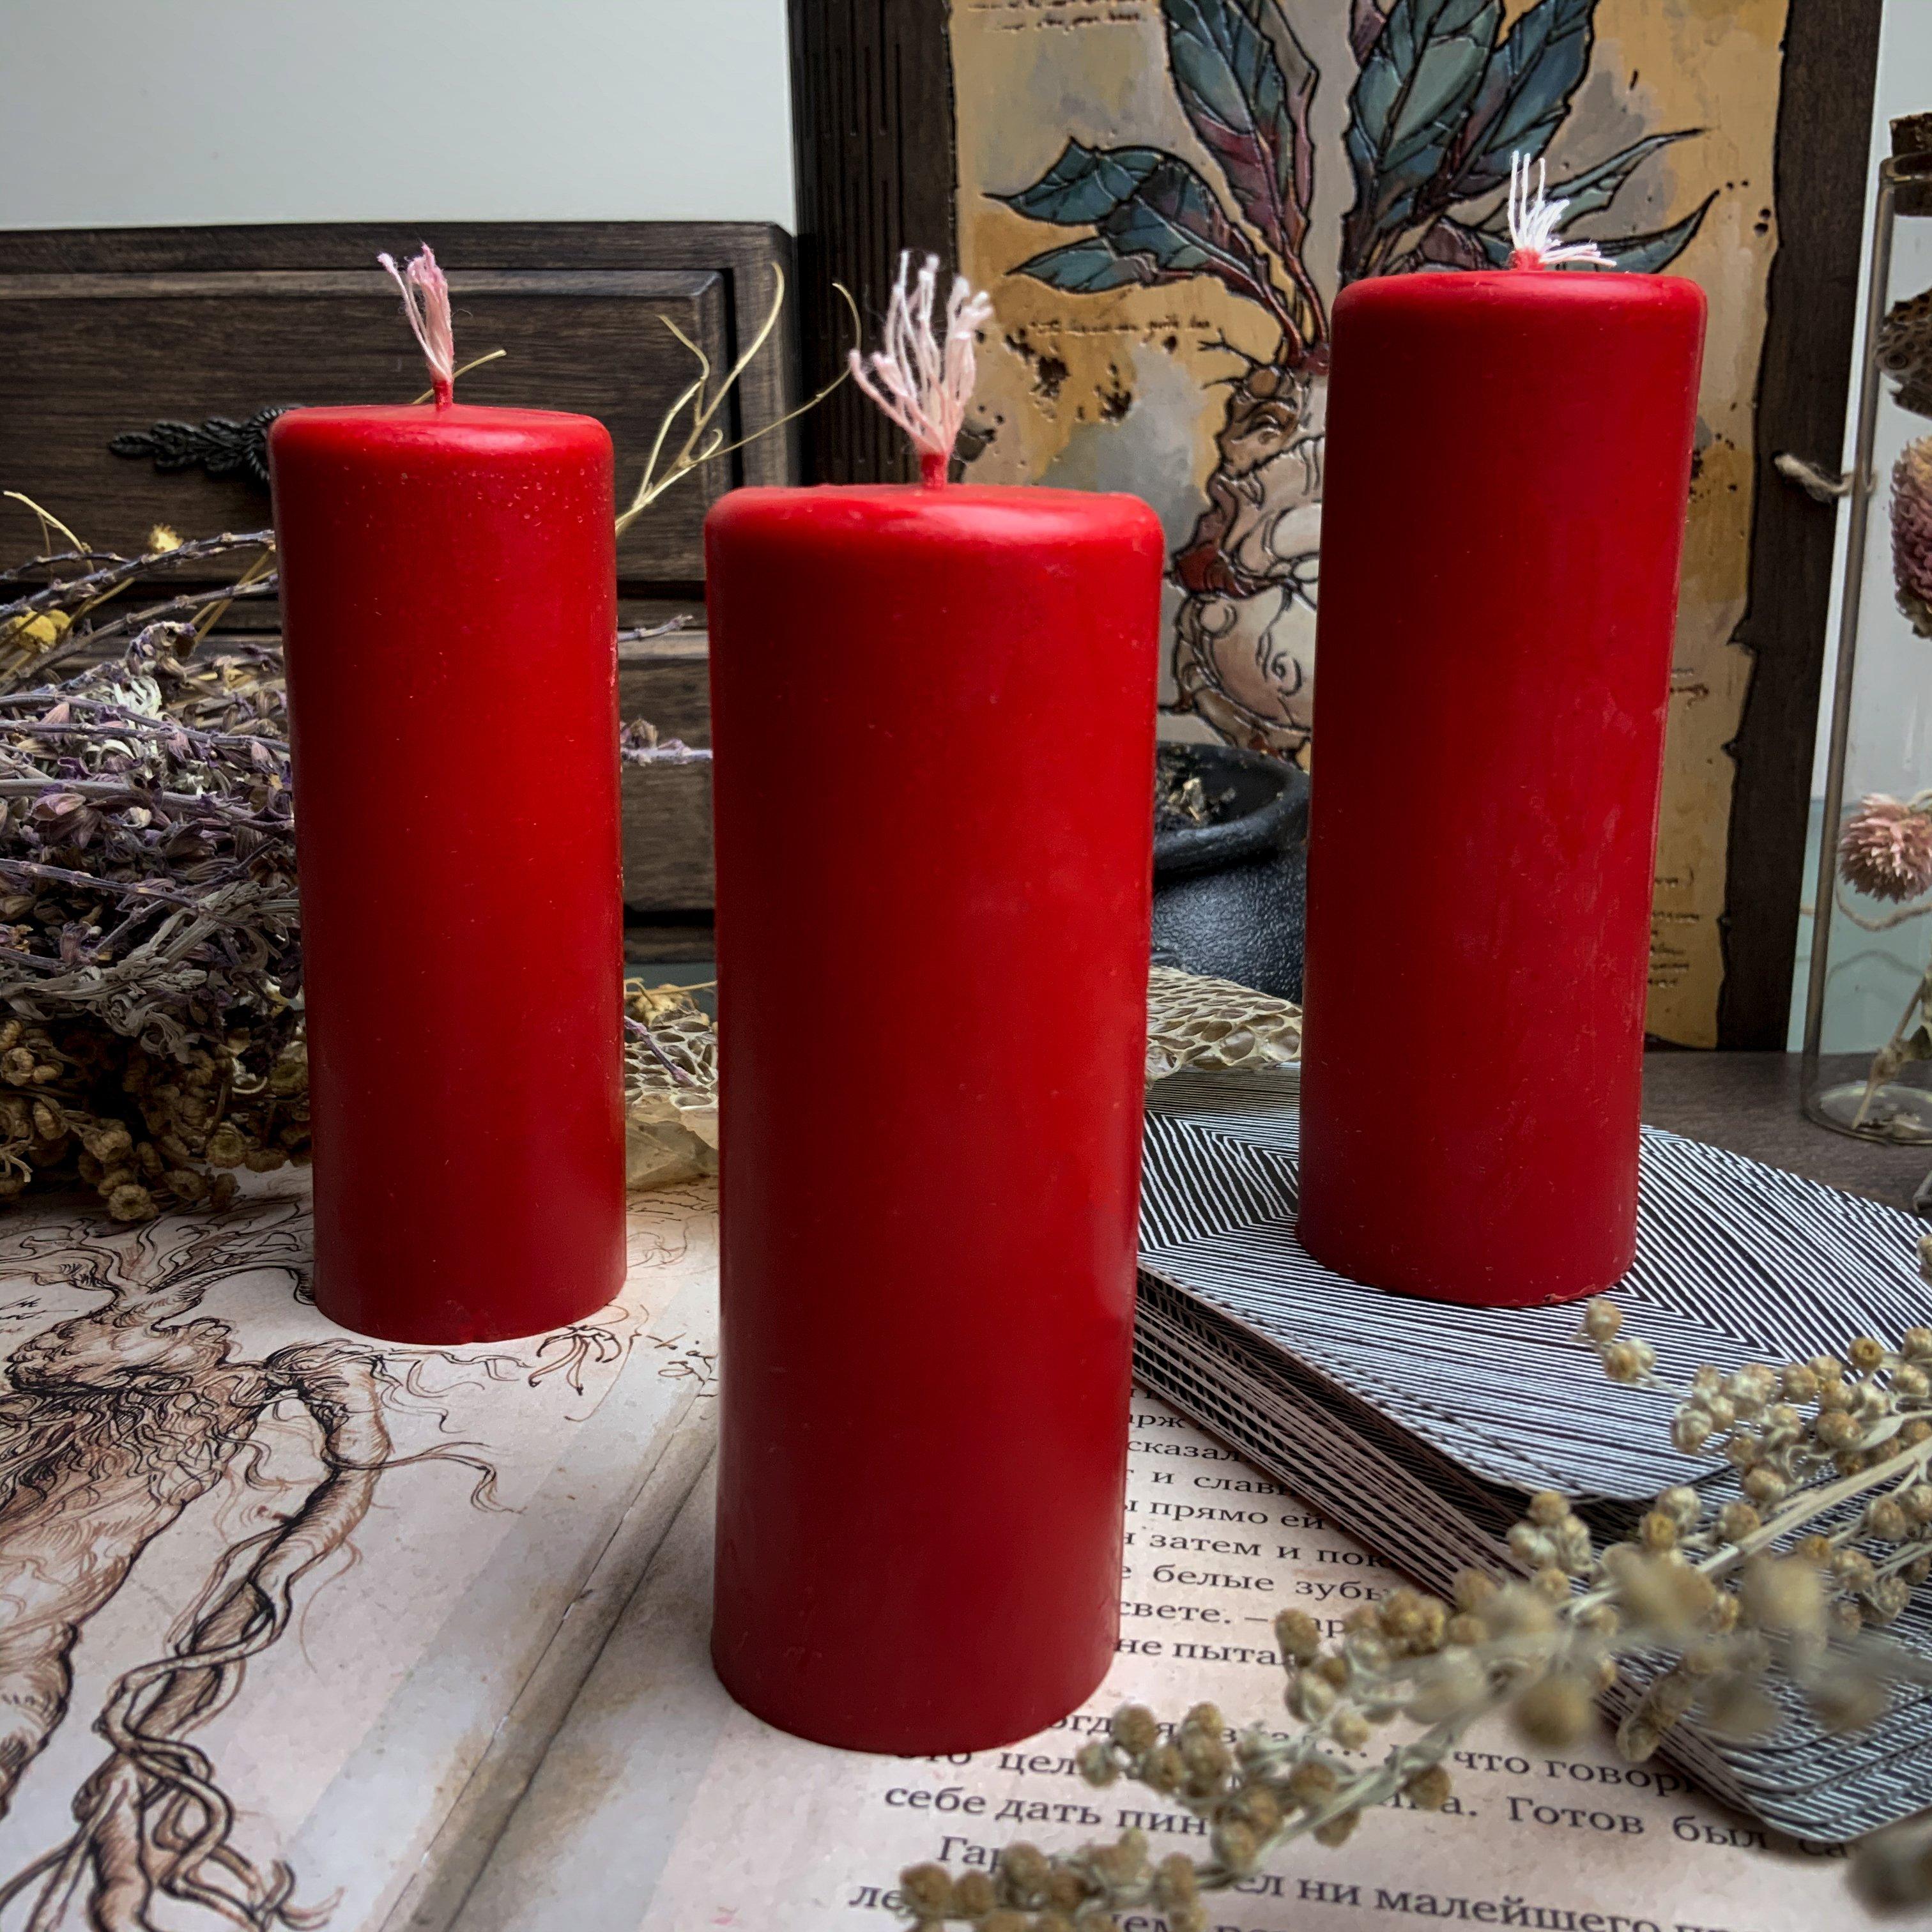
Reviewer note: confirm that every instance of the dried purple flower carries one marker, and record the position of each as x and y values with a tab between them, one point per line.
1884	851
1912	533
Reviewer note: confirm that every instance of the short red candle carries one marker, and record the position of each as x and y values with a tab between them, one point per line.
933	711
1508	463
448	594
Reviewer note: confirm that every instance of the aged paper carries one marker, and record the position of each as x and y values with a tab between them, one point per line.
662	1807
1193	391
278	1603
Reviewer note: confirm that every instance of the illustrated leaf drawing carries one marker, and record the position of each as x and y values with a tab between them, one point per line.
1407	107
1246	83
1157	221
1592	190
1449	244
1366	20
1524	94
1645	254
1085	268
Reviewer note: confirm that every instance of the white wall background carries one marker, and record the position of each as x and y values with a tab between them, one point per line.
147	111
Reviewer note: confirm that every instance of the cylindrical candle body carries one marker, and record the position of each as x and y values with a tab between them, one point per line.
449	595
1508	465
933	716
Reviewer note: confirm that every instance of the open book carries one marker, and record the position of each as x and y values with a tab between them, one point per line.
1424	1426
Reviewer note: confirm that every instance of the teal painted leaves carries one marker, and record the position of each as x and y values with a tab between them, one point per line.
1442	97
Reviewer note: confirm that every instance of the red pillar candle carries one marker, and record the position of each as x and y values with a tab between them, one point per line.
933	713
447	587
1508	463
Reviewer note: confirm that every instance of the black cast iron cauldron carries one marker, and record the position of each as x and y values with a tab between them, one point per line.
1230	893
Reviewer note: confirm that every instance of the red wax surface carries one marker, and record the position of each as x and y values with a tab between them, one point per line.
448	600
933	712
1508	463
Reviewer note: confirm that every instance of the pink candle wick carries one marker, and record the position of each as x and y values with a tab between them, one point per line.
922	379
425	293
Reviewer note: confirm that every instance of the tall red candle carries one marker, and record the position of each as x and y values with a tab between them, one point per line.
933	712
448	585
1508	463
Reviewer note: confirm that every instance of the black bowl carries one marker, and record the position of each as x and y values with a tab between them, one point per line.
1230	893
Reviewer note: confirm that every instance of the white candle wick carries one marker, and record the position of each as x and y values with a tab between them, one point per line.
1534	221
921	382
425	292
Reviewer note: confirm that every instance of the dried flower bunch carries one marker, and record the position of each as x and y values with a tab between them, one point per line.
1819	1537
671	1086
1885	853
149	961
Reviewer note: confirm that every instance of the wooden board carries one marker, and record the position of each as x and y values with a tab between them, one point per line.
111	330
667	807
94	355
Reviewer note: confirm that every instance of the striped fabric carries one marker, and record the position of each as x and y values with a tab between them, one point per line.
1420	1427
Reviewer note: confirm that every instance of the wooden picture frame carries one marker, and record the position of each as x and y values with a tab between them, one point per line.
875	136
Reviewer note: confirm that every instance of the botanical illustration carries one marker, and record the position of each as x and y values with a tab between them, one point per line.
1163	286
115	1422
1442	95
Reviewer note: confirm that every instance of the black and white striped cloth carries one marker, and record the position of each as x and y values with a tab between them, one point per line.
1420	1427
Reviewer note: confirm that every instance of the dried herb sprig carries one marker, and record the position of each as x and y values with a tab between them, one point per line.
1826	1531
150	964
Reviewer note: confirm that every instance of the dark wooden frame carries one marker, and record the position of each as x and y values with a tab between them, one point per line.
872	119
872	141
1823	157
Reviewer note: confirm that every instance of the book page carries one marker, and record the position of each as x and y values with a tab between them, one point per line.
276	1601
663	1807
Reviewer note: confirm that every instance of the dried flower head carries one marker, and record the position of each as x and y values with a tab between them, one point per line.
1912	533
1885	850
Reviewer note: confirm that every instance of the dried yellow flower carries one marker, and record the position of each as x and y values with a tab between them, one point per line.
1553	1712
1299	1636
928	1891
1337	1829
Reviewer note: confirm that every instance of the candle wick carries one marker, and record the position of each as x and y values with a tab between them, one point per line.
923	379
1534	221
425	295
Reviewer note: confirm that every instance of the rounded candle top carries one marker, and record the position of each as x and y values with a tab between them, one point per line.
1474	293
456	431
1025	516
